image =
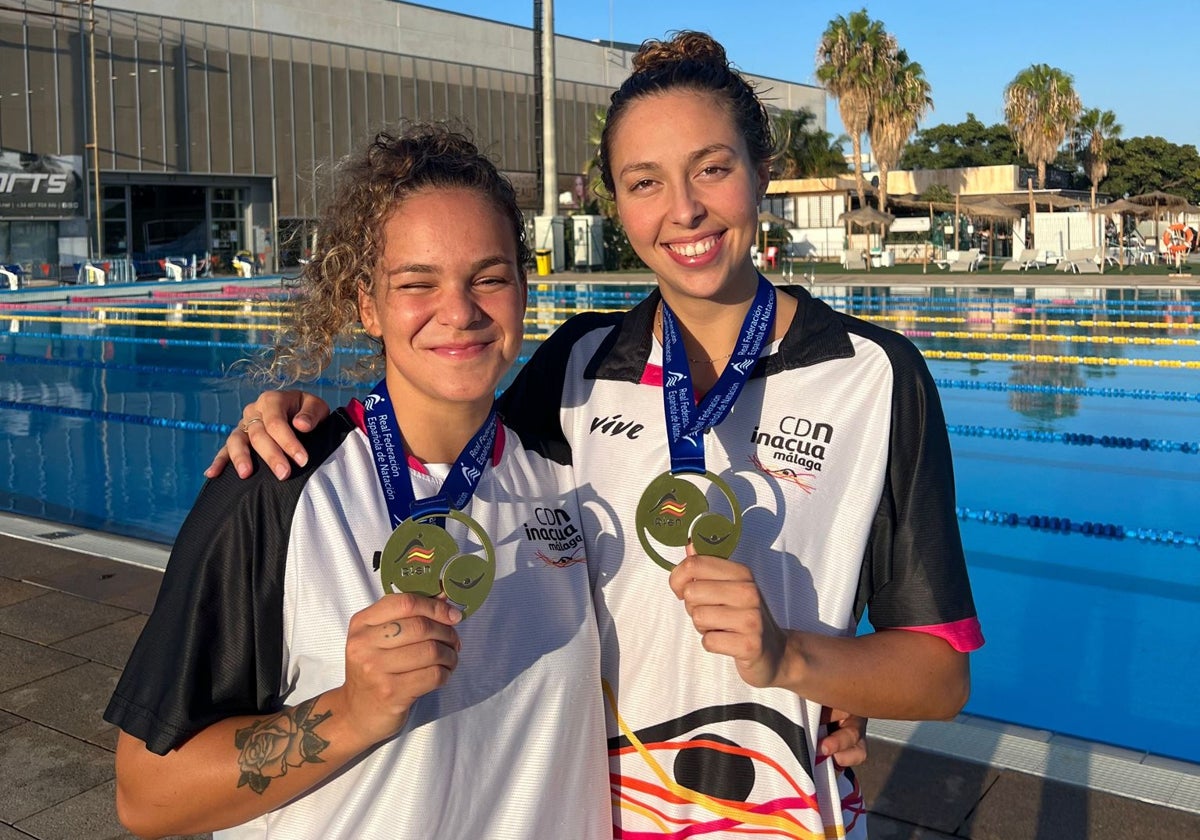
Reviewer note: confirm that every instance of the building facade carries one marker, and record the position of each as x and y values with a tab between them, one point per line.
155	129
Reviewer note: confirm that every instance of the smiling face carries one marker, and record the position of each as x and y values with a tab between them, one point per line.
687	193
447	300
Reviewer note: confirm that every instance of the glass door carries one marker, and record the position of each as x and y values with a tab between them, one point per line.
227	208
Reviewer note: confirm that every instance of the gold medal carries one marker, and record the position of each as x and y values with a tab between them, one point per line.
673	511
421	557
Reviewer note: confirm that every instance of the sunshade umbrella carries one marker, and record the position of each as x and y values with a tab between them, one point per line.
866	217
991	208
765	219
1122	207
1158	199
771	218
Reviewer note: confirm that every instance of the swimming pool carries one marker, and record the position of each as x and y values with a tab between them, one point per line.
1073	418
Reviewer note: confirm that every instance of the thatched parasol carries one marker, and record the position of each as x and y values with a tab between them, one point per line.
766	217
1158	198
770	218
991	208
1160	201
867	217
1123	206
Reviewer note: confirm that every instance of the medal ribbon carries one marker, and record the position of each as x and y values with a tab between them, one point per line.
686	421
391	464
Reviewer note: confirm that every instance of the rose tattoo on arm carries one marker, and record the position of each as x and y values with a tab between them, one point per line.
288	739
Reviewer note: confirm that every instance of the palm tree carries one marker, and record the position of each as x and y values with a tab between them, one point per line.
902	101
1040	107
853	57
806	149
591	170
1092	133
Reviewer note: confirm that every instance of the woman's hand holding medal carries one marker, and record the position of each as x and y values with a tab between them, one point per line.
398	649
731	616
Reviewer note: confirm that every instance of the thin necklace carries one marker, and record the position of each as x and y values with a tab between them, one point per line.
658	322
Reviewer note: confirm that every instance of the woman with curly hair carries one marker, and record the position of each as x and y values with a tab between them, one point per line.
793	473
376	648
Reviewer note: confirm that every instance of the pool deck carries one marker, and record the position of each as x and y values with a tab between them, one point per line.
72	603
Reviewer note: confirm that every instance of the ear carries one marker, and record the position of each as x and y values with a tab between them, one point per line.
367	312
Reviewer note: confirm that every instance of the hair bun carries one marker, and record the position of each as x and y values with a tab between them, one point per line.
683	46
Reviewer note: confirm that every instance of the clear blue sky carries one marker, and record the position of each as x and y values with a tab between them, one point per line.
1134	58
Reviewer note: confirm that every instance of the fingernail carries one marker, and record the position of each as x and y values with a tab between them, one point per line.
826	751
300	458
455	615
242	471
281	472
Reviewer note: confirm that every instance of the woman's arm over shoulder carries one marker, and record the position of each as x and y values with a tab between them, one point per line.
268	427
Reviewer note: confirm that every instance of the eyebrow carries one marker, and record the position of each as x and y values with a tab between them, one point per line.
649	166
426	268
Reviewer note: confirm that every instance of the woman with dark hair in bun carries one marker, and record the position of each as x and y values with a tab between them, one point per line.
779	469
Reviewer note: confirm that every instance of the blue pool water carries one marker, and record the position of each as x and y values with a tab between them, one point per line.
1087	635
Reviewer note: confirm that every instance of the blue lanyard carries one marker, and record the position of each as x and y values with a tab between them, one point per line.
391	464
687	422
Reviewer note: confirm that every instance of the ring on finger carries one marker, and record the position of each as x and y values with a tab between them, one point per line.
245	427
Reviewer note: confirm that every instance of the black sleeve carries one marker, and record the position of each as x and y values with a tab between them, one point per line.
531	405
914	573
213	645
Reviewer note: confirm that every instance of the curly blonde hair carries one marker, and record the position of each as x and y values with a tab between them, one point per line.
691	61
367	188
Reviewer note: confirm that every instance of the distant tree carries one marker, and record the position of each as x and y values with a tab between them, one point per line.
618	253
1040	108
938	193
806	150
853	57
902	100
1141	164
968	143
597	197
1093	143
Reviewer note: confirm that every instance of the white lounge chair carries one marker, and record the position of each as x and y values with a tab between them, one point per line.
951	257
1035	259
1024	259
854	261
967	261
1081	261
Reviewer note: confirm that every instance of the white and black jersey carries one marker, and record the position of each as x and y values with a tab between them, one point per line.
253	614
837	452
